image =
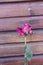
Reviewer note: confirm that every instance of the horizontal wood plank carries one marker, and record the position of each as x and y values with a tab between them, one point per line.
21	9
36	60
9	37
18	49
10	0
13	23
13	0
16	0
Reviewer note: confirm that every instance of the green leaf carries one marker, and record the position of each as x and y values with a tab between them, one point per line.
28	53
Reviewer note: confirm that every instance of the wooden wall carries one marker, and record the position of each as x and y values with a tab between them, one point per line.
14	13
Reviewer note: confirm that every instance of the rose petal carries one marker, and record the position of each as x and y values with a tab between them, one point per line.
19	30
27	28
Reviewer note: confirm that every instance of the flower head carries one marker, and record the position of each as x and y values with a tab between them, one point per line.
25	30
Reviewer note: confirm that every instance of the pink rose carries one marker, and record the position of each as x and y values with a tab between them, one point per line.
25	30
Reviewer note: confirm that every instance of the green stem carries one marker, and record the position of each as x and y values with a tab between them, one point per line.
25	46
25	61
25	40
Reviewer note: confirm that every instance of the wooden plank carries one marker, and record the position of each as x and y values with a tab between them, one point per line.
18	49
21	9
13	23
36	60
10	0
9	37
36	8
15	0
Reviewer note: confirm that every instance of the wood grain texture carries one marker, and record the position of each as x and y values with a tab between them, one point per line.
13	15
9	37
18	49
36	60
14	0
21	9
13	23
17	0
10	0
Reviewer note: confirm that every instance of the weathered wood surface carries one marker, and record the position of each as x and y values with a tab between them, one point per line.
14	0
18	49
36	60
21	9
17	0
13	23
13	15
9	37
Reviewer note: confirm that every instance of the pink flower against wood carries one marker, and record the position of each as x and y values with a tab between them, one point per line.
25	30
